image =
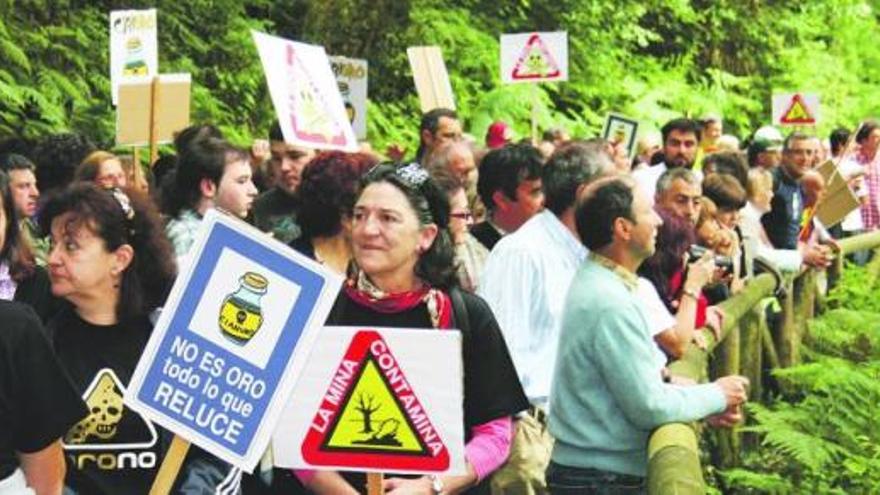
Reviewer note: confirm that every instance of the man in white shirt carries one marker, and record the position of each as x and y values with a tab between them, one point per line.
681	138
525	280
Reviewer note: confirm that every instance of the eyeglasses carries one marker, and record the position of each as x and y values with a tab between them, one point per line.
462	215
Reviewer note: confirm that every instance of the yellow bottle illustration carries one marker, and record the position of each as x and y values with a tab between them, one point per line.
240	313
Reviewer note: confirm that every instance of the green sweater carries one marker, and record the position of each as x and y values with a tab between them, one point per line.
608	394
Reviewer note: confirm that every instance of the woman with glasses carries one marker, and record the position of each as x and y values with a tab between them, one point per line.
403	275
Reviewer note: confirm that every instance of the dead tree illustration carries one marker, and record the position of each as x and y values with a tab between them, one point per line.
367	407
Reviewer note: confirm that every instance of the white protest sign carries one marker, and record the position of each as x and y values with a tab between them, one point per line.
233	335
305	95
380	400
351	76
534	57
134	50
430	77
796	109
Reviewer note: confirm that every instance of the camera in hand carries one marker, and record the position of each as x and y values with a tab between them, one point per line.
696	252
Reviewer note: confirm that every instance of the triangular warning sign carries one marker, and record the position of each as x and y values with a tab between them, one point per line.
371	418
109	425
310	113
535	61
798	112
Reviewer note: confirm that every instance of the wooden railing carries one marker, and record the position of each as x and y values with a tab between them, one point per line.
747	347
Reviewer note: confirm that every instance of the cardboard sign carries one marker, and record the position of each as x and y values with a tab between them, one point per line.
621	131
376	400
838	200
134	51
136	98
351	76
235	332
431	78
534	57
796	109
304	93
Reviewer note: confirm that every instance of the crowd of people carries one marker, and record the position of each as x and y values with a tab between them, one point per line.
574	272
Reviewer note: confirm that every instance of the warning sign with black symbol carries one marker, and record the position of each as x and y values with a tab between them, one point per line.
109	425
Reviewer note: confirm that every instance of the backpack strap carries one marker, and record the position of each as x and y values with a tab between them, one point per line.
460	315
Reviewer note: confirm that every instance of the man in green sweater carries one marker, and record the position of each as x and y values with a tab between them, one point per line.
608	393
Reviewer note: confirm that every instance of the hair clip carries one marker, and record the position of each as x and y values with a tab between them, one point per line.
413	174
124	202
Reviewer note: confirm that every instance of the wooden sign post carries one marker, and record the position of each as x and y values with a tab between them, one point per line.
171	465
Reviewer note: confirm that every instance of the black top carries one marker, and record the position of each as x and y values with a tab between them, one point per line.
783	222
36	292
491	386
275	211
116	450
486	234
38	404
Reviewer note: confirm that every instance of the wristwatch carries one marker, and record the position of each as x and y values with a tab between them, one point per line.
436	484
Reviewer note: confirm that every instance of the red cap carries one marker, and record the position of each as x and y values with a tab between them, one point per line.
498	135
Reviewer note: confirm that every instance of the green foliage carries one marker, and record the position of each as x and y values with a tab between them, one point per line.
822	435
649	59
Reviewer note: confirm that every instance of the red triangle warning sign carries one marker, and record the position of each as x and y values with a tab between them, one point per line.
535	61
370	417
798	113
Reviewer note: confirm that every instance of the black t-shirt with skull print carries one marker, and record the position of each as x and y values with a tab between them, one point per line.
37	402
114	449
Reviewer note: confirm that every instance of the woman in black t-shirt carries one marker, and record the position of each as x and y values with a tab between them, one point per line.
111	261
404	276
37	404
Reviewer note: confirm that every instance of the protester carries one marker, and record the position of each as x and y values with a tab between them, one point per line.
326	197
510	187
673	296
525	280
403	276
783	222
211	173
470	255
680	141
102	168
679	192
38	405
276	210
851	166
648	145
608	394
868	138
456	158
110	261
439	126
732	163
21	279
498	134
56	157
711	129
758	245
25	198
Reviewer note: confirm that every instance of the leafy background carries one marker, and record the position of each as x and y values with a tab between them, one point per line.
650	59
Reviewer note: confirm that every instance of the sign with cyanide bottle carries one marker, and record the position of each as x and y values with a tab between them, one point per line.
233	335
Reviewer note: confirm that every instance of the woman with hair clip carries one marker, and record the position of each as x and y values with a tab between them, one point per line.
403	276
21	279
110	260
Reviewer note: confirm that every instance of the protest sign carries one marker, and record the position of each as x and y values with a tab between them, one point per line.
152	109
534	57
796	109
430	77
305	95
351	76
621	131
838	199
377	400
134	51
232	337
